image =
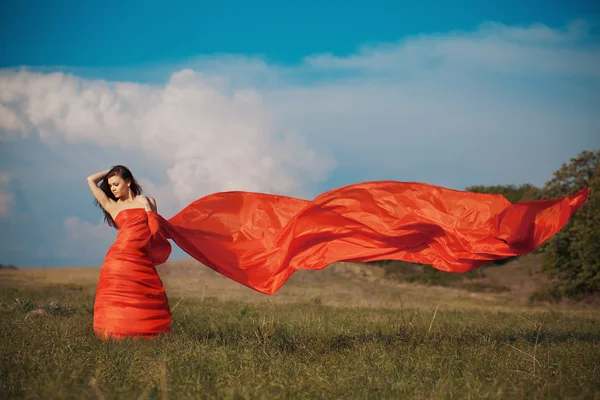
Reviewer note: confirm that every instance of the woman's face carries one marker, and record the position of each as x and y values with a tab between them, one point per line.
118	186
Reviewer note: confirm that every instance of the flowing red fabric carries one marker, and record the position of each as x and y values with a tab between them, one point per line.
259	239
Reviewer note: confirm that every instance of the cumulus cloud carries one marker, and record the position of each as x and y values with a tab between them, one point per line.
13	126
206	140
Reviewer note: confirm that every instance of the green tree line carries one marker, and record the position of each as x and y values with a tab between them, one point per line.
572	256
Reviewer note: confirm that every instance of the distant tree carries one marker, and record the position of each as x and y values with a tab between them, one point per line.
512	193
572	256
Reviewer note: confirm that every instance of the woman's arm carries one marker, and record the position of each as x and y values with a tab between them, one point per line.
100	196
150	205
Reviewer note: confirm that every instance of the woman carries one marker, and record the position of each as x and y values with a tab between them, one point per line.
130	298
259	239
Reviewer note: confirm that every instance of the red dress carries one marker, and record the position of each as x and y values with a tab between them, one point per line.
130	297
259	240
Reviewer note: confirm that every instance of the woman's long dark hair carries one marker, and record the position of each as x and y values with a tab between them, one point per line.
127	176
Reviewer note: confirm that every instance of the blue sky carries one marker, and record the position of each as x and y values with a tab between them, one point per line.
118	33
291	98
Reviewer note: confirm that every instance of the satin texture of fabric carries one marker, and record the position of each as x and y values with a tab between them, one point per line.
130	297
259	240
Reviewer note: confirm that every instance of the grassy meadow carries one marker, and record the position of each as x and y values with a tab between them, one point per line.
349	331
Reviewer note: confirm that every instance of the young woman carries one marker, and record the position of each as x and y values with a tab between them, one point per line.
130	298
259	239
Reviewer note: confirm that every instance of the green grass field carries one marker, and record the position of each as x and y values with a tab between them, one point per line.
338	333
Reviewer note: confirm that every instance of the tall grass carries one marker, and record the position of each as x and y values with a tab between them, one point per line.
232	349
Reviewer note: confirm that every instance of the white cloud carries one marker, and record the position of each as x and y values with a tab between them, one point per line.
534	50
13	125
499	105
573	32
206	140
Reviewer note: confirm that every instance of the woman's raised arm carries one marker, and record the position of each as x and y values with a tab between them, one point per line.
100	196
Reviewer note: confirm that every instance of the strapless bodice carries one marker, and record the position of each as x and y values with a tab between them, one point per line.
139	235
